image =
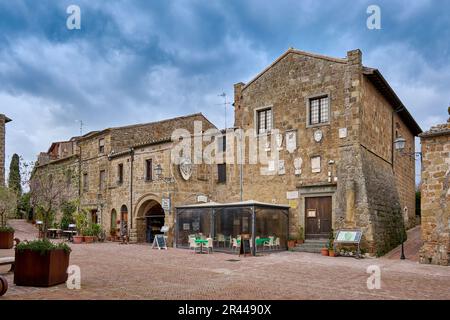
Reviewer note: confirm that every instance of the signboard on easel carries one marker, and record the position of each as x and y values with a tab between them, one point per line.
245	245
159	242
349	237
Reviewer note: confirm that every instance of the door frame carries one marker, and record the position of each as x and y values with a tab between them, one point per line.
314	192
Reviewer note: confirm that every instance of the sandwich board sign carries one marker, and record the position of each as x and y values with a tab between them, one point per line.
159	242
245	245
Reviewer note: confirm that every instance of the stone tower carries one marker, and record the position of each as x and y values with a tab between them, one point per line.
3	121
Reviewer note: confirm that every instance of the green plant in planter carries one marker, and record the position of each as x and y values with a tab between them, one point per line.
96	230
6	229
42	246
300	236
330	244
81	221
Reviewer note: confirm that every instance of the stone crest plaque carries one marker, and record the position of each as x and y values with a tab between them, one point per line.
186	168
291	141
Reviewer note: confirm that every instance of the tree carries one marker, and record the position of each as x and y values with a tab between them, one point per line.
8	204
49	191
15	181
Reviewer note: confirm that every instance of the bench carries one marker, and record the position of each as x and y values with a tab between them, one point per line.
8	261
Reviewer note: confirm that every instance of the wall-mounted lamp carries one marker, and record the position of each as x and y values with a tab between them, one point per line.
399	145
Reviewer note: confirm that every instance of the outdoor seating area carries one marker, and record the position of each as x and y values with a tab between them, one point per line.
218	227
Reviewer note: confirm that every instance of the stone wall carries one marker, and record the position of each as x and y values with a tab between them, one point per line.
435	205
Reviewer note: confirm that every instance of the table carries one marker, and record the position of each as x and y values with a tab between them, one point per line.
71	233
201	242
53	232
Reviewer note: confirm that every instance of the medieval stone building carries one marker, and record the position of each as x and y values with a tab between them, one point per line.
435	188
332	122
3	120
337	168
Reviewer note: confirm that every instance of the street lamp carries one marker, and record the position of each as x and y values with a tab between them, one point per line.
158	171
399	146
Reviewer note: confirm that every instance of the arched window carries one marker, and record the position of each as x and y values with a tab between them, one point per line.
113	219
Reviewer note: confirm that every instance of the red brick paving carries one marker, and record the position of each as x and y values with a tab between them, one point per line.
114	271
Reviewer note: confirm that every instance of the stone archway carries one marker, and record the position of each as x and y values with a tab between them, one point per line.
149	221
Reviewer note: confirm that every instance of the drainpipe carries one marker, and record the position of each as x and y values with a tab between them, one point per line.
131	186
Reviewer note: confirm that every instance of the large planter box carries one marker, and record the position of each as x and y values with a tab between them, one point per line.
35	270
6	240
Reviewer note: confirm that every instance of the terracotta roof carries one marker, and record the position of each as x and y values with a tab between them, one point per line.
439	130
96	133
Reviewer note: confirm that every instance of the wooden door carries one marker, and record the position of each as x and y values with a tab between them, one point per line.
318	217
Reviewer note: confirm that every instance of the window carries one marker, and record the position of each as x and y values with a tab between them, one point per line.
85	182
120	173
264	118
148	170
222	171
319	111
102	183
101	146
68	178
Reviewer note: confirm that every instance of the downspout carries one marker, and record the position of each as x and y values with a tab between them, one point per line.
131	186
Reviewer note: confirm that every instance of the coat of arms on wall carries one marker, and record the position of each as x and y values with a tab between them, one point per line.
291	141
298	166
185	168
279	141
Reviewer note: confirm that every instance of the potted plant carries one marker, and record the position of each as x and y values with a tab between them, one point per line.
96	230
324	252
88	235
41	263
81	221
291	242
300	238
8	206
330	244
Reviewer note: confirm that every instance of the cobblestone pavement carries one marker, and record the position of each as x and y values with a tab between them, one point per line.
115	271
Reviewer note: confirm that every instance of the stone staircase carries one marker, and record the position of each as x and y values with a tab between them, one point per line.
312	246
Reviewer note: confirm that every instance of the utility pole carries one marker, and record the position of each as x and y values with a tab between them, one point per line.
81	126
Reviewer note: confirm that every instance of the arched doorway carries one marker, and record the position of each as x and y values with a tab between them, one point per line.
151	218
113	222
124	221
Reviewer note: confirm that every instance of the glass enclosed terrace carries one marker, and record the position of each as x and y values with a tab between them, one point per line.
222	225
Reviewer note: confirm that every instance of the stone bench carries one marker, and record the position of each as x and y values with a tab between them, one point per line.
8	261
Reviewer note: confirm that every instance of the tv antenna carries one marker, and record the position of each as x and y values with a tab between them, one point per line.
225	103
81	126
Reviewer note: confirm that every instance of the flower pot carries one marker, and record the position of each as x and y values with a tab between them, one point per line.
300	241
331	253
78	239
6	239
34	269
291	244
324	252
88	239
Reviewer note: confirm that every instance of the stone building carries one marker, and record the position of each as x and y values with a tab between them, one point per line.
3	121
331	122
336	122
435	205
117	185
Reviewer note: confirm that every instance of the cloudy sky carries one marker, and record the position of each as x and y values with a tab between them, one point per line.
140	61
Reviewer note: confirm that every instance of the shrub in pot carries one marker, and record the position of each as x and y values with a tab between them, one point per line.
88	235
324	251
300	238
41	263
78	239
6	237
291	243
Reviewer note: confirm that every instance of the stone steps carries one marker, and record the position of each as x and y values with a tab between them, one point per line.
311	246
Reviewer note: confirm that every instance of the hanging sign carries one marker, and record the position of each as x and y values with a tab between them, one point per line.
165	204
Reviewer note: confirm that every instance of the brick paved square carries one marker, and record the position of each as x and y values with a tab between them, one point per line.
115	271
